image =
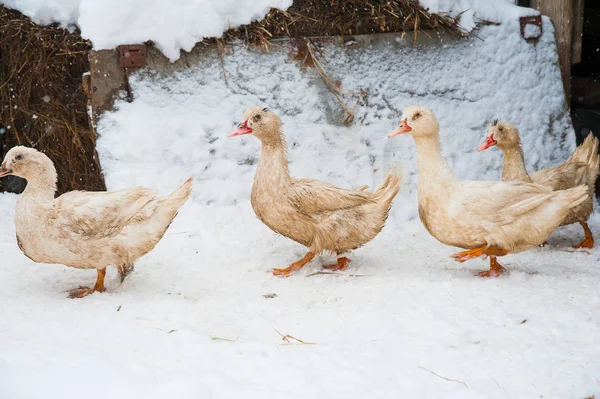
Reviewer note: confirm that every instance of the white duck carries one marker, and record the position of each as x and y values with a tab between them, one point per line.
86	230
581	168
318	215
485	217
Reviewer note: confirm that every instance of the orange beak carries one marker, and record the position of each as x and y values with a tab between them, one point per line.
241	129
489	141
4	171
402	128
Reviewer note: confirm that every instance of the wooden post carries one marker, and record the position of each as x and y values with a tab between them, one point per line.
561	12
578	7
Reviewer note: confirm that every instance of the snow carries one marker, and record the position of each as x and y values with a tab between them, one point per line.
171	25
472	11
192	322
180	24
531	31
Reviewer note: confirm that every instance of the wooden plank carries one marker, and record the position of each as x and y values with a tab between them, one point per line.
577	31
561	14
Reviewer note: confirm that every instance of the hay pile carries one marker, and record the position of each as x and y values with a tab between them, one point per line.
344	18
42	104
41	101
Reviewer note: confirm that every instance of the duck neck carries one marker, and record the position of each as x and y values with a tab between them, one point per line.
513	164
41	188
273	164
430	162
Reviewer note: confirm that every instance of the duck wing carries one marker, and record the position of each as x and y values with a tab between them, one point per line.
560	177
94	215
500	202
313	196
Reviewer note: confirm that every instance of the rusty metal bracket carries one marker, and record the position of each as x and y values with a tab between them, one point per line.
132	55
531	20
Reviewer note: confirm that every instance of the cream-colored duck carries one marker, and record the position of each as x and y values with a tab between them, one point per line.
580	168
313	213
484	217
86	230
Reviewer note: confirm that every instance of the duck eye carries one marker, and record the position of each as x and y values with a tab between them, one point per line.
501	128
19	157
417	115
257	117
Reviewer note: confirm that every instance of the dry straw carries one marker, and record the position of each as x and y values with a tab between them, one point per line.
41	101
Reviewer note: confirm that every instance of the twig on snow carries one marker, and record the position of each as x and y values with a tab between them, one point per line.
442	377
287	338
222	339
338	274
332	86
575	251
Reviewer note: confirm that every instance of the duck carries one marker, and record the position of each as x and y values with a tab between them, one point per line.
580	168
486	218
83	229
315	214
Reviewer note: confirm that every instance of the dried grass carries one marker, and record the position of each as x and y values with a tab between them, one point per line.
41	101
306	18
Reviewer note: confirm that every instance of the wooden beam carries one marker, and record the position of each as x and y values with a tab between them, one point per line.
577	31
561	14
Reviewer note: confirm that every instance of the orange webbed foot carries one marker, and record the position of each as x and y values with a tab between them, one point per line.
294	266
285	272
85	291
477	252
82	292
468	254
586	243
341	265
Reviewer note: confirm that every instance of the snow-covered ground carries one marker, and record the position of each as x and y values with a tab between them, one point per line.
191	322
405	321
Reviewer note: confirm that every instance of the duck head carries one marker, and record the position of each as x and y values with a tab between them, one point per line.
501	134
417	121
261	123
28	164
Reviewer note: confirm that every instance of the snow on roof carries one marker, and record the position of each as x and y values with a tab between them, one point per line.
171	25
470	12
180	24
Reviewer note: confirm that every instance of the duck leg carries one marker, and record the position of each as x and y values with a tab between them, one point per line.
85	291
588	241
341	265
294	266
496	268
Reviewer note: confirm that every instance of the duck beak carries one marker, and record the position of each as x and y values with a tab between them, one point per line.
402	128
241	129
489	142
4	171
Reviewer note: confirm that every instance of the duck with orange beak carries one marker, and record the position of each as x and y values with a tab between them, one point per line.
485	218
581	168
321	217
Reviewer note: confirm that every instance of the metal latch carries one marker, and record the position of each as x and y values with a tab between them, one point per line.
132	55
531	27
